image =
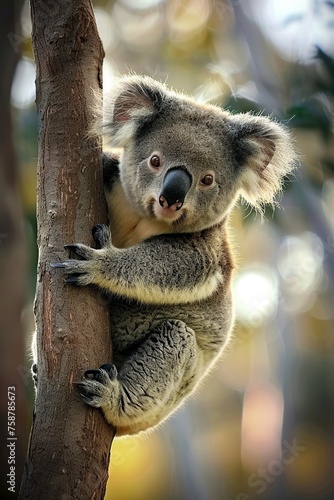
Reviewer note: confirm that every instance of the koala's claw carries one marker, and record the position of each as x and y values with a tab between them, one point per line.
87	396
58	265
82	270
101	235
80	250
91	372
98	385
110	369
96	231
73	279
99	374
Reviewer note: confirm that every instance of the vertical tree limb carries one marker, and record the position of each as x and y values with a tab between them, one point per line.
70	443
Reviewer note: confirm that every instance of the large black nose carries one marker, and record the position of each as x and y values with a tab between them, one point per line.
176	185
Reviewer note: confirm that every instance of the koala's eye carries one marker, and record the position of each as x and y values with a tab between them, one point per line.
155	161
207	180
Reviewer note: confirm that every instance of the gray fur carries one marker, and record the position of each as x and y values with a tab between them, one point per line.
167	271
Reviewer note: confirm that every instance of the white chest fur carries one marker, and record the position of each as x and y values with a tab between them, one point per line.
127	227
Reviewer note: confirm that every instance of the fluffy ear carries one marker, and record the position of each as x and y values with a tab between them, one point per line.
264	153
135	99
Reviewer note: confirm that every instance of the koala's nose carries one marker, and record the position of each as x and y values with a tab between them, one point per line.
176	185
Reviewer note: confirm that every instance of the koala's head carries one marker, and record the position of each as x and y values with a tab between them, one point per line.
186	163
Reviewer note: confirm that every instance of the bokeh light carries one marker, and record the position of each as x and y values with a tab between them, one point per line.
23	88
139	30
255	293
296	28
140	4
299	263
186	18
262	422
106	28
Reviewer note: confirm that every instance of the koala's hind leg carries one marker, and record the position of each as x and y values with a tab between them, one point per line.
151	382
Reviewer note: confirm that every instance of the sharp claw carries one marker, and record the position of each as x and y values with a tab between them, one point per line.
110	369
91	372
72	280
90	401
72	247
82	251
82	389
86	398
60	265
96	228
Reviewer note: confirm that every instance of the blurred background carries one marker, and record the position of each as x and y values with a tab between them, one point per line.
262	424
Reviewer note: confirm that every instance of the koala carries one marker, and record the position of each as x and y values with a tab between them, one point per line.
164	262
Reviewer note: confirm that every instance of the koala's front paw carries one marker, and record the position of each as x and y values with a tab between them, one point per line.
97	389
80	272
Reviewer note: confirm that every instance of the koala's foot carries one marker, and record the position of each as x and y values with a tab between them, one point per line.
150	384
99	386
101	235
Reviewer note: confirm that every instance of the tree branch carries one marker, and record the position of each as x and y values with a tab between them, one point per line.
70	442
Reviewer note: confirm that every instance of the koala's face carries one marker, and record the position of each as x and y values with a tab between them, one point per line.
203	180
185	163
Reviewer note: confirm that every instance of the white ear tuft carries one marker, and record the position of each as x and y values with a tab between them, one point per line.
133	98
267	154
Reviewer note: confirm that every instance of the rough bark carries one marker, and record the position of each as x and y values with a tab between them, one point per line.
69	447
12	270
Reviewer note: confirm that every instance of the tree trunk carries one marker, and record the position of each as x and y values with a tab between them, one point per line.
70	442
13	408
